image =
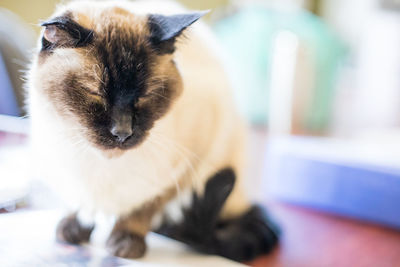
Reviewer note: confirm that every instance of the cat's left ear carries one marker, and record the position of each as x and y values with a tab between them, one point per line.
165	29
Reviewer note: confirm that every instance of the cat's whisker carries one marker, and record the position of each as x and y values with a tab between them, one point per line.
174	178
193	174
157	94
90	50
96	75
182	149
160	161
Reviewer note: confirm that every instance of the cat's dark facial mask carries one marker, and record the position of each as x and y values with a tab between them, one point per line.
112	72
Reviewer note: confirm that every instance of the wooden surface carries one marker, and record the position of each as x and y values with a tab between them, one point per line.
311	238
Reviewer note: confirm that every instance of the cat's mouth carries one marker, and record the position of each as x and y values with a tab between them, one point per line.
115	151
125	144
113	143
116	148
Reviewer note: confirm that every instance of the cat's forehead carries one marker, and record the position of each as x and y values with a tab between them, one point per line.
104	16
112	19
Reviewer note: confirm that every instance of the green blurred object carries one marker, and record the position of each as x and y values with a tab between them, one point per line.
248	38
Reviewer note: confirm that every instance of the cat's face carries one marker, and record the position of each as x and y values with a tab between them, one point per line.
111	71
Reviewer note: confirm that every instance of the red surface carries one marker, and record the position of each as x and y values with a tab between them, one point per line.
313	238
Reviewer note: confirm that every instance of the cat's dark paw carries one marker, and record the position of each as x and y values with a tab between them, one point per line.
69	230
126	245
248	236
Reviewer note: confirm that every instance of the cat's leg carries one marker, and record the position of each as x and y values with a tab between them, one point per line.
75	228
127	239
240	238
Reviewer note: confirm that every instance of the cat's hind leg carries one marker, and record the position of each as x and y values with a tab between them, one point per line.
240	238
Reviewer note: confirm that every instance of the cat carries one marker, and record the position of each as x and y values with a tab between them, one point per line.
132	121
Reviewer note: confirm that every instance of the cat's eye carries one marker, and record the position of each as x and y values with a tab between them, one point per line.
96	97
93	93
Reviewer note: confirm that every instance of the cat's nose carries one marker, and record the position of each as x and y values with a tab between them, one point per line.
121	133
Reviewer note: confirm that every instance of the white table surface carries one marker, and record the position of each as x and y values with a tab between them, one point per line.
27	239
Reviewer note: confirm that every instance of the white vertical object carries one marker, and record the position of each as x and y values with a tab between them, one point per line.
378	99
283	66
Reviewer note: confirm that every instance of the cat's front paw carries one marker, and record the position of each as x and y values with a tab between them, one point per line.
125	244
69	230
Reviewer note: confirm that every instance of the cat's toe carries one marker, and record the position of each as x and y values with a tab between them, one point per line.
126	245
69	230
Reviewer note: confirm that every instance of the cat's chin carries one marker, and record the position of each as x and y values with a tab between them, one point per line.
113	153
115	149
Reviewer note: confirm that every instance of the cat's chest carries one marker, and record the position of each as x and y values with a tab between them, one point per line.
117	186
84	177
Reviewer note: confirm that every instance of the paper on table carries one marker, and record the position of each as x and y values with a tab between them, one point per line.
14	175
27	239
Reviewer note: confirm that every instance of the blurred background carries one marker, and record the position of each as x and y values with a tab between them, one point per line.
308	67
339	58
317	80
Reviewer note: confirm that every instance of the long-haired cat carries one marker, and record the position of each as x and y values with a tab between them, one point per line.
135	124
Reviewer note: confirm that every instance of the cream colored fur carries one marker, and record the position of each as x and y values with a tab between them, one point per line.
189	141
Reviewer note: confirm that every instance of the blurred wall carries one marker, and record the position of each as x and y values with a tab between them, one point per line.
33	11
348	18
30	11
204	4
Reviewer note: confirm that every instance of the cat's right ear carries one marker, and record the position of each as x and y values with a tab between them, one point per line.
165	29
64	32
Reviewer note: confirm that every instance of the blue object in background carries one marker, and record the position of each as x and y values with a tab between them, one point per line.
8	102
357	190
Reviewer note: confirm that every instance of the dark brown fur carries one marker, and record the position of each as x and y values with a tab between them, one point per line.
130	77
